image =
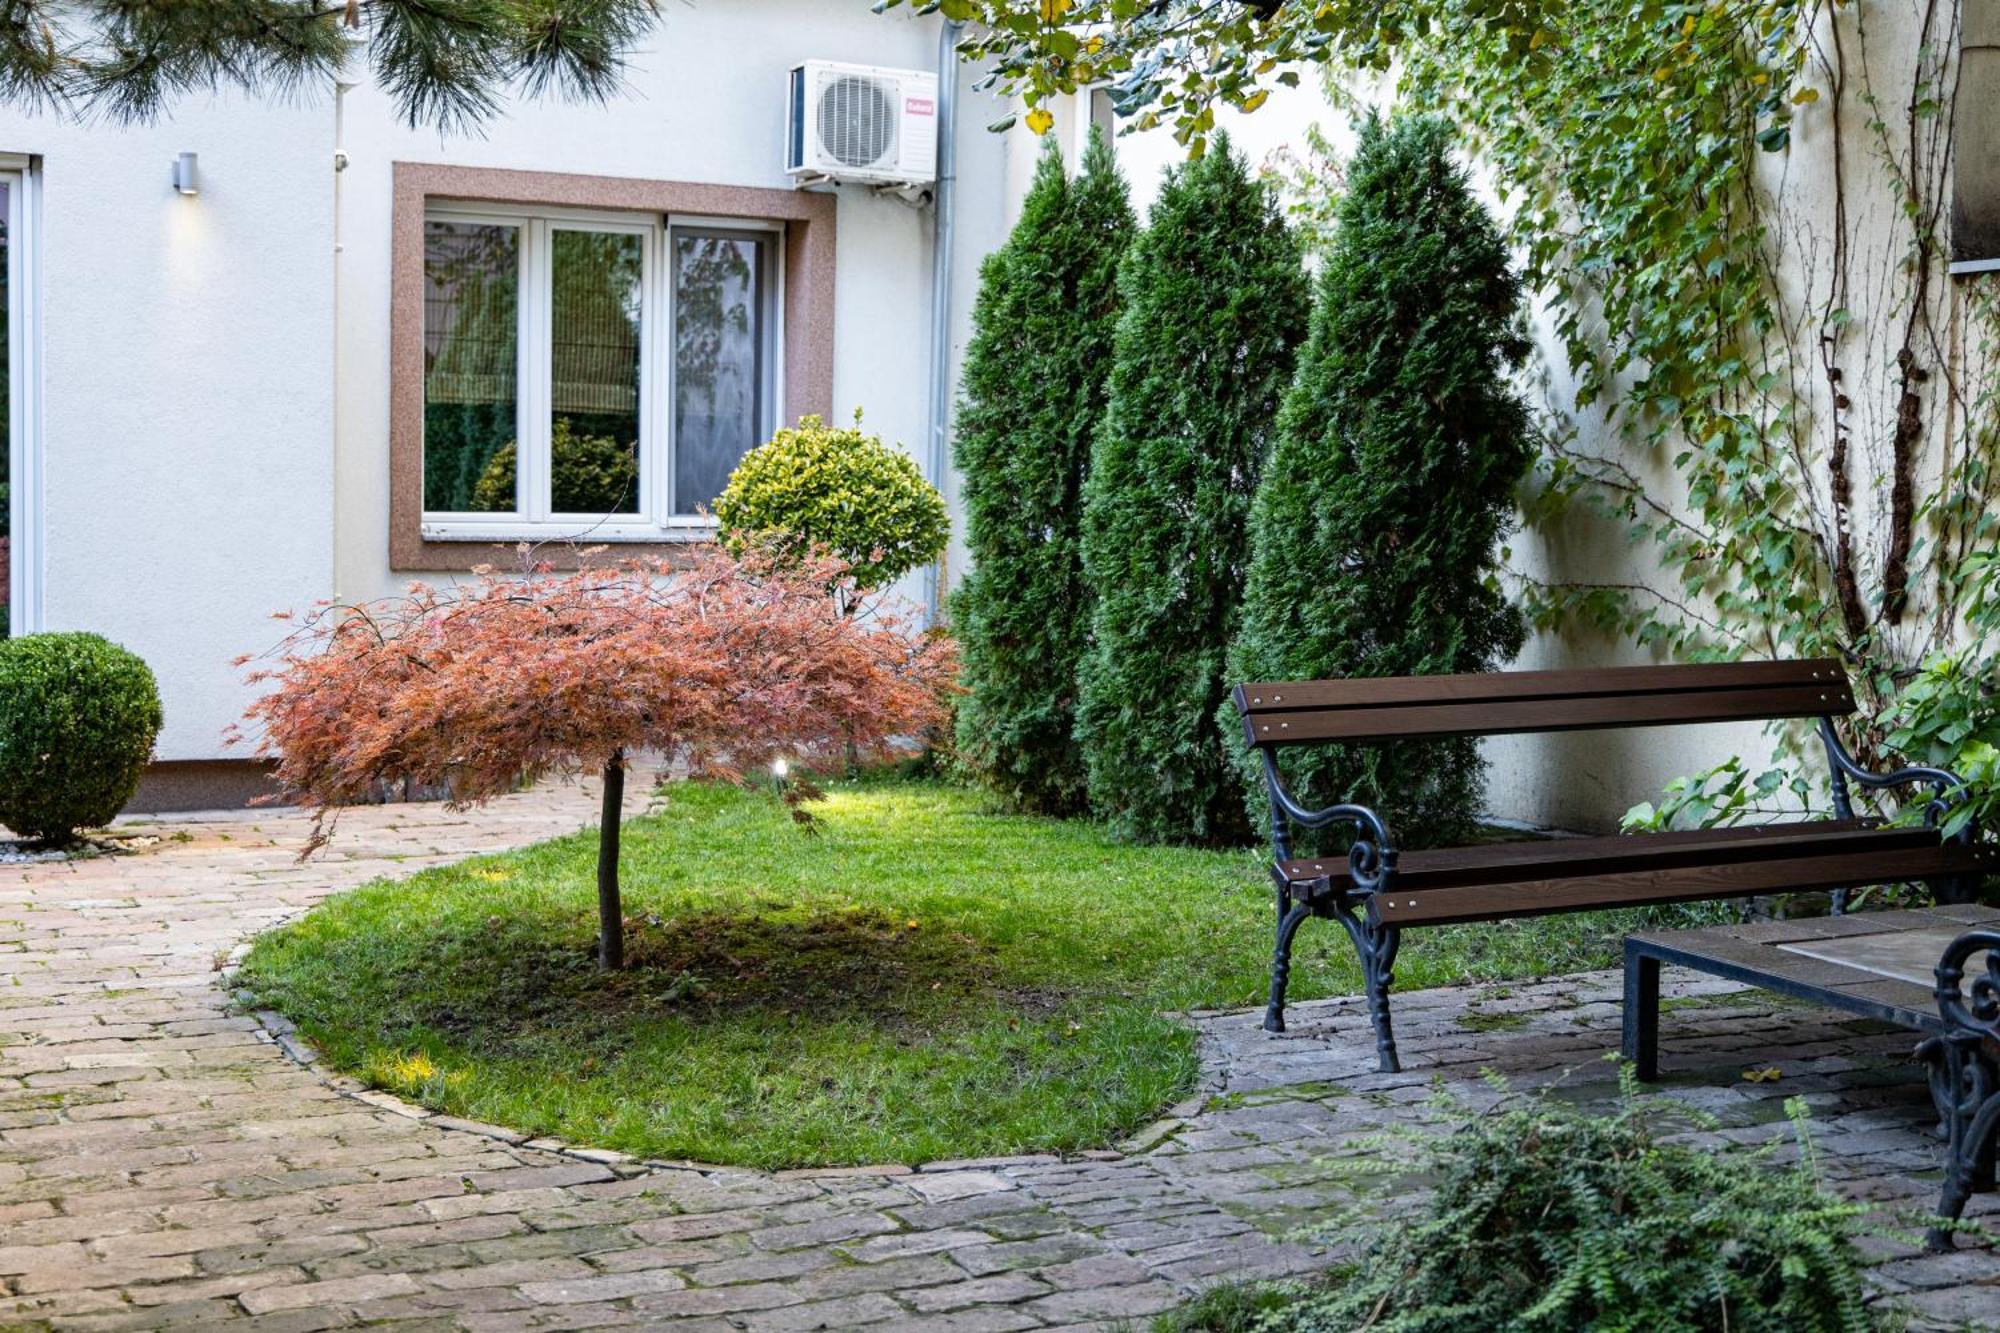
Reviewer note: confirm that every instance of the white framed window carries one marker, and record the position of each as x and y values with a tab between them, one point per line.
592	375
21	451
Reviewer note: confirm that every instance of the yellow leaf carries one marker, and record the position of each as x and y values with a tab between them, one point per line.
1804	95
1053	10
1539	40
1256	99
1770	1075
1039	120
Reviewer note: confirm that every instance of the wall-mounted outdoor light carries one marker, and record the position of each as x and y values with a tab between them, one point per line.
185	179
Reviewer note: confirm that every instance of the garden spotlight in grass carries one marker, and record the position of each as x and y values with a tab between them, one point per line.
779	769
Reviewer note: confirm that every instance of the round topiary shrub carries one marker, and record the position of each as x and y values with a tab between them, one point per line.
78	715
833	486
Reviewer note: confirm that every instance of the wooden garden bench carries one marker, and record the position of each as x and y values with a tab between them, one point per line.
1376	893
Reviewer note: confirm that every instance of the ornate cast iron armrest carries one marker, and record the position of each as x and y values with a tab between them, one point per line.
1372	857
1974	1009
1949	787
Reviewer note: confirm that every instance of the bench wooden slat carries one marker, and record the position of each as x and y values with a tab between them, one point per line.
1511	716
1560	856
1535	897
1491	686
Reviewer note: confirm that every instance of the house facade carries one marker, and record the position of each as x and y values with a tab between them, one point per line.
328	354
344	354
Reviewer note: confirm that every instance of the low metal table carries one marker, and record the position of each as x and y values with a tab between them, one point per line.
1908	968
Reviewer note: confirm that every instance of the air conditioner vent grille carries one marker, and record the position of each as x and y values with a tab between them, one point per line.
857	120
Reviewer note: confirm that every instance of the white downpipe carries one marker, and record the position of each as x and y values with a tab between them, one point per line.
943	221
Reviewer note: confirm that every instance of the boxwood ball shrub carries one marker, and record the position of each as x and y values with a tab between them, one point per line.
78	716
835	487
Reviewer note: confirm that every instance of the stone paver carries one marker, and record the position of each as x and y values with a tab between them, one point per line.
168	1162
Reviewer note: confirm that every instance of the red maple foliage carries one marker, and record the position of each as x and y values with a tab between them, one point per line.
720	663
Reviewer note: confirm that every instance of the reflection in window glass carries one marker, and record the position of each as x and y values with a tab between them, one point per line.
472	280
720	362
594	371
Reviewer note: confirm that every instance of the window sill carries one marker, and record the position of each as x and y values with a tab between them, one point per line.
564	535
464	550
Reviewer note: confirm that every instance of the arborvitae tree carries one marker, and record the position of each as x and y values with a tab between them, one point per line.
1215	300
1375	538
1034	386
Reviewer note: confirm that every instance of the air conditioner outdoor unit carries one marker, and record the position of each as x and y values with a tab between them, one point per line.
863	124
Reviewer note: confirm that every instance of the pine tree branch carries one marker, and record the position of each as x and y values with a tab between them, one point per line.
447	64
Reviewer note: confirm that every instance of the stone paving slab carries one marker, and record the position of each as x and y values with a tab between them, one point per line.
168	1163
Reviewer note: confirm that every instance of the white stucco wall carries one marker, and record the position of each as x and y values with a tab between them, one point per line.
187	378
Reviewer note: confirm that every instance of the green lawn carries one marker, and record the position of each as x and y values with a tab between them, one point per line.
923	979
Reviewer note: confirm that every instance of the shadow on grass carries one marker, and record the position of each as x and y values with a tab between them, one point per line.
524	981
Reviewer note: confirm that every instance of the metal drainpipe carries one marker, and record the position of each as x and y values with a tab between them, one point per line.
942	223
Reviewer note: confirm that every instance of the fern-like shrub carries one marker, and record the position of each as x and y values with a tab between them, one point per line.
837	489
1547	1219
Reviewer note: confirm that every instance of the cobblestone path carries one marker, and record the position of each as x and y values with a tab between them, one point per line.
165	1162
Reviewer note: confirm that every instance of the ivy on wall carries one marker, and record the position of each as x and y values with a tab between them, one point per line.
1738	208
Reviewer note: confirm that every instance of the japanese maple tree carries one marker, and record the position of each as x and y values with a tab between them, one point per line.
720	664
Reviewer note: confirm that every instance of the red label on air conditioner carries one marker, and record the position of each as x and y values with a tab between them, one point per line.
919	106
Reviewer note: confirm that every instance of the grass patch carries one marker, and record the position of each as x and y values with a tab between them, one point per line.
924	979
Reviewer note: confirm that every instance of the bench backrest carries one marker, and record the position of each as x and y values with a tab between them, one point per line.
1504	702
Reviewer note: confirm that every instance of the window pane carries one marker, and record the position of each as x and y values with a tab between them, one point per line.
594	369
472	281
720	361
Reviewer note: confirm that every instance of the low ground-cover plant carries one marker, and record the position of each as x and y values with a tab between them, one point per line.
1546	1218
922	980
719	663
78	717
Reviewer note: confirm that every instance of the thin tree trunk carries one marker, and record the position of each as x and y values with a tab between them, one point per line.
610	911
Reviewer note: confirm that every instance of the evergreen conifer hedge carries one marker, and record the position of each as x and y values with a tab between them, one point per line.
1033	391
1215	301
1375	537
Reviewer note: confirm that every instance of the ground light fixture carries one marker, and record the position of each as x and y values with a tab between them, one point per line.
185	177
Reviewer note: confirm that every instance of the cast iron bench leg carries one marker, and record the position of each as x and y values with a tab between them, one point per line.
1642	1011
1963	1083
1290	915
